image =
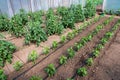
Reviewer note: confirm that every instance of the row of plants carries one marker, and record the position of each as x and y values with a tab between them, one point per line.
29	24
71	35
96	51
80	44
51	70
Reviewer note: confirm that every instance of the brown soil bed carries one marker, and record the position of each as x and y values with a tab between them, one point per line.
69	70
43	61
107	65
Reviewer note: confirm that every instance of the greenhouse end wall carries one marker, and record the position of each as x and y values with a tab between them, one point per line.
11	7
111	5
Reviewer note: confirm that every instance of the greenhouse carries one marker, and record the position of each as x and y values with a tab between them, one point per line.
59	40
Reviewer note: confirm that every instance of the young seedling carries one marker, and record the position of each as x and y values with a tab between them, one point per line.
89	61
35	78
69	79
50	70
33	56
75	32
89	37
95	53
83	40
70	35
82	71
17	65
104	40
54	44
99	47
2	75
109	35
63	60
78	46
63	39
71	52
46	50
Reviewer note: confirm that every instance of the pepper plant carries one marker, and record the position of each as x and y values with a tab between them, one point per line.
33	56
63	59
17	65
71	52
62	39
35	78
82	71
50	70
46	50
89	61
54	44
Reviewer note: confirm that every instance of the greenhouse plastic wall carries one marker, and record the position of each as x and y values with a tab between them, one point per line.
11	7
111	5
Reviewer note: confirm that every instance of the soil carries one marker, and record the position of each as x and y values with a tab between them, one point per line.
39	67
107	66
69	69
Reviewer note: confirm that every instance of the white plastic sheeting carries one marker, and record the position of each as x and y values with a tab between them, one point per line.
111	5
12	7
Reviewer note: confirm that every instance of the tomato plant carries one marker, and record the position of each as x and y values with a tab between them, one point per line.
89	9
17	23
35	33
2	75
6	51
4	23
53	24
78	13
67	17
